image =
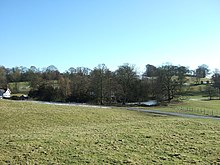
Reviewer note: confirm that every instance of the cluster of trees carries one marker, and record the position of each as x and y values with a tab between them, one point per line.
103	86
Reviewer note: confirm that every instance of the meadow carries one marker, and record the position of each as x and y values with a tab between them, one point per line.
19	87
33	133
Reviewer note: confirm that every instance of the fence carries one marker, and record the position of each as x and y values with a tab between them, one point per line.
199	111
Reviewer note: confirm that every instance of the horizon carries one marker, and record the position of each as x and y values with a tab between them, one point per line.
136	68
87	33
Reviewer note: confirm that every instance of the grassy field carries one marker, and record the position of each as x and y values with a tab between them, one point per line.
32	133
20	87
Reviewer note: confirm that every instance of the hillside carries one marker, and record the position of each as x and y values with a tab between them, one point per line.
32	133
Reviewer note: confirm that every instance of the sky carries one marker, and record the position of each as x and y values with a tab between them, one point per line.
85	33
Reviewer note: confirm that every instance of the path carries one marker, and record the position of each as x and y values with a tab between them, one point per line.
174	114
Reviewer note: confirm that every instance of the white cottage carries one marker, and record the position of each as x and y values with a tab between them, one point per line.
7	94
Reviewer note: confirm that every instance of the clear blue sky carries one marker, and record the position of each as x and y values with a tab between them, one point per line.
74	33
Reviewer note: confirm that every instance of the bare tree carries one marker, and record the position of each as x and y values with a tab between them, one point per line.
3	78
127	78
64	85
167	82
216	82
201	72
80	83
101	78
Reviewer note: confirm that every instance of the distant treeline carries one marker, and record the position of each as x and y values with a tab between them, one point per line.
102	86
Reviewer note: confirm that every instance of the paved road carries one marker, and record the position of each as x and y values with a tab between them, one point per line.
174	114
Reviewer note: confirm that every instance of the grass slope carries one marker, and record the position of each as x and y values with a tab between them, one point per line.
33	133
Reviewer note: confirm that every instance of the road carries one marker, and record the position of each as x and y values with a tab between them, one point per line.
173	114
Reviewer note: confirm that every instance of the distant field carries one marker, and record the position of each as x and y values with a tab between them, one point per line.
33	133
19	87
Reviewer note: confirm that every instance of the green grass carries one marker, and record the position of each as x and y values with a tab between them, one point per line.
33	133
20	87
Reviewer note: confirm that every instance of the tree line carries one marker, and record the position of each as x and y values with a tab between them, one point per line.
103	86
